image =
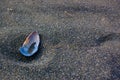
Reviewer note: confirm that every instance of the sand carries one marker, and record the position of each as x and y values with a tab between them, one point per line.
80	39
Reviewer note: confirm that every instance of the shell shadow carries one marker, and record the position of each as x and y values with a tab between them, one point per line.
10	49
108	37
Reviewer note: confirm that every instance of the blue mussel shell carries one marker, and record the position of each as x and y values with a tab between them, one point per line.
30	45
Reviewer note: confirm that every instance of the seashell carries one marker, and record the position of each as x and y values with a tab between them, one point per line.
30	45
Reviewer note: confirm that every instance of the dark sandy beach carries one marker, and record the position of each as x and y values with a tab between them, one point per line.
80	39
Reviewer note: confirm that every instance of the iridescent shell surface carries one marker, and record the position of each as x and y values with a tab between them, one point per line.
30	45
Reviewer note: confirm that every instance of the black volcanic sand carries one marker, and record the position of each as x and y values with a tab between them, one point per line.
80	39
